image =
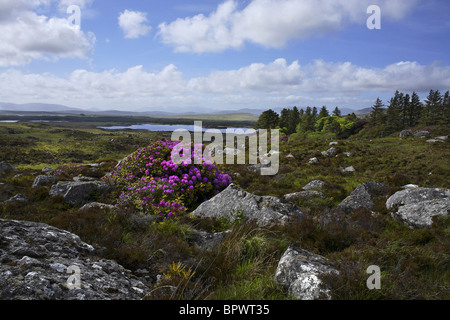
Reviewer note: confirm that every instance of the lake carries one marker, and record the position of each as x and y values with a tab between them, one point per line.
171	128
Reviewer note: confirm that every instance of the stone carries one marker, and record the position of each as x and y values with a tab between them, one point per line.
415	195
313	161
421	133
304	194
56	255
330	152
420	215
43	180
233	200
48	171
5	167
435	140
349	169
290	156
362	196
334	143
418	206
101	206
315	184
406	133
299	270
17	198
78	193
442	138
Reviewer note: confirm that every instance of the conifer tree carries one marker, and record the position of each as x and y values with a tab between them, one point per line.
415	110
337	112
323	113
377	115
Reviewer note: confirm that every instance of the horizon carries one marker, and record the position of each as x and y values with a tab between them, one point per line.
215	56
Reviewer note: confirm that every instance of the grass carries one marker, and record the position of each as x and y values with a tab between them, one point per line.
414	263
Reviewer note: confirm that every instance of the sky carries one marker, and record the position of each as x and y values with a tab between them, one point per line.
208	55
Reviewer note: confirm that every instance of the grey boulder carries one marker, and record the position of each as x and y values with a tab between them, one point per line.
363	196
40	262
43	180
264	210
79	193
299	272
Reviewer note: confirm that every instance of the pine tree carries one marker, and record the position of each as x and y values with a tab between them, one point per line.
406	106
393	113
431	111
446	109
377	115
284	118
415	110
337	112
294	119
323	113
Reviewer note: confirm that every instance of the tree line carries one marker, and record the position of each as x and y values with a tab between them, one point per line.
403	111
406	111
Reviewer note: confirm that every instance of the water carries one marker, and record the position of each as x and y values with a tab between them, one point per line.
171	128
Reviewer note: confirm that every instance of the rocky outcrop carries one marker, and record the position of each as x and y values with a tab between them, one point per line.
234	200
417	206
330	152
79	193
304	195
299	272
43	180
17	198
315	184
363	196
5	167
40	262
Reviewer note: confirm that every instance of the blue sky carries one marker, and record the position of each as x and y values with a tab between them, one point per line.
207	55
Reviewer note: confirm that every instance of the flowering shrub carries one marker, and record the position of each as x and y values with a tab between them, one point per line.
153	183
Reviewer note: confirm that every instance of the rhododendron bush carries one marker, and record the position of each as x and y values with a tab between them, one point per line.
152	183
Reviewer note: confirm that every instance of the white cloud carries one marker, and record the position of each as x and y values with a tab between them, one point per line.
133	24
26	35
271	23
274	84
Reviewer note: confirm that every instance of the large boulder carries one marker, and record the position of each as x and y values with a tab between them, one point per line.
79	193
418	206
363	196
5	167
233	200
43	180
40	262
299	272
315	184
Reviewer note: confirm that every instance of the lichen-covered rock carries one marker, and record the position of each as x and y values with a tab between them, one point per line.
5	167
233	200
315	184
418	206
299	271
43	180
17	198
416	195
78	193
304	194
40	262
330	152
362	196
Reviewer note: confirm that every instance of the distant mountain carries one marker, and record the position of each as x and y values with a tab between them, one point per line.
38	107
363	111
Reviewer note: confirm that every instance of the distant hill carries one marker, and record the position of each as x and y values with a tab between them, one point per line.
39	107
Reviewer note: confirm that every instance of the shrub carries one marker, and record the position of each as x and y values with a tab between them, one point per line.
152	183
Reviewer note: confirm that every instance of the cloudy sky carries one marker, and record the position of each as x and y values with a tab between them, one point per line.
179	55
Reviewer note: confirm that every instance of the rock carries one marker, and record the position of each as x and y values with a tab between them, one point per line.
420	215
78	193
421	133
410	186
334	143
406	133
304	194
362	196
290	156
39	262
313	161
5	167
347	154
43	180
330	152
435	140
233	200
315	184
299	271
349	169
442	138
416	195
48	171
101	206
207	241
418	206
82	178
17	198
